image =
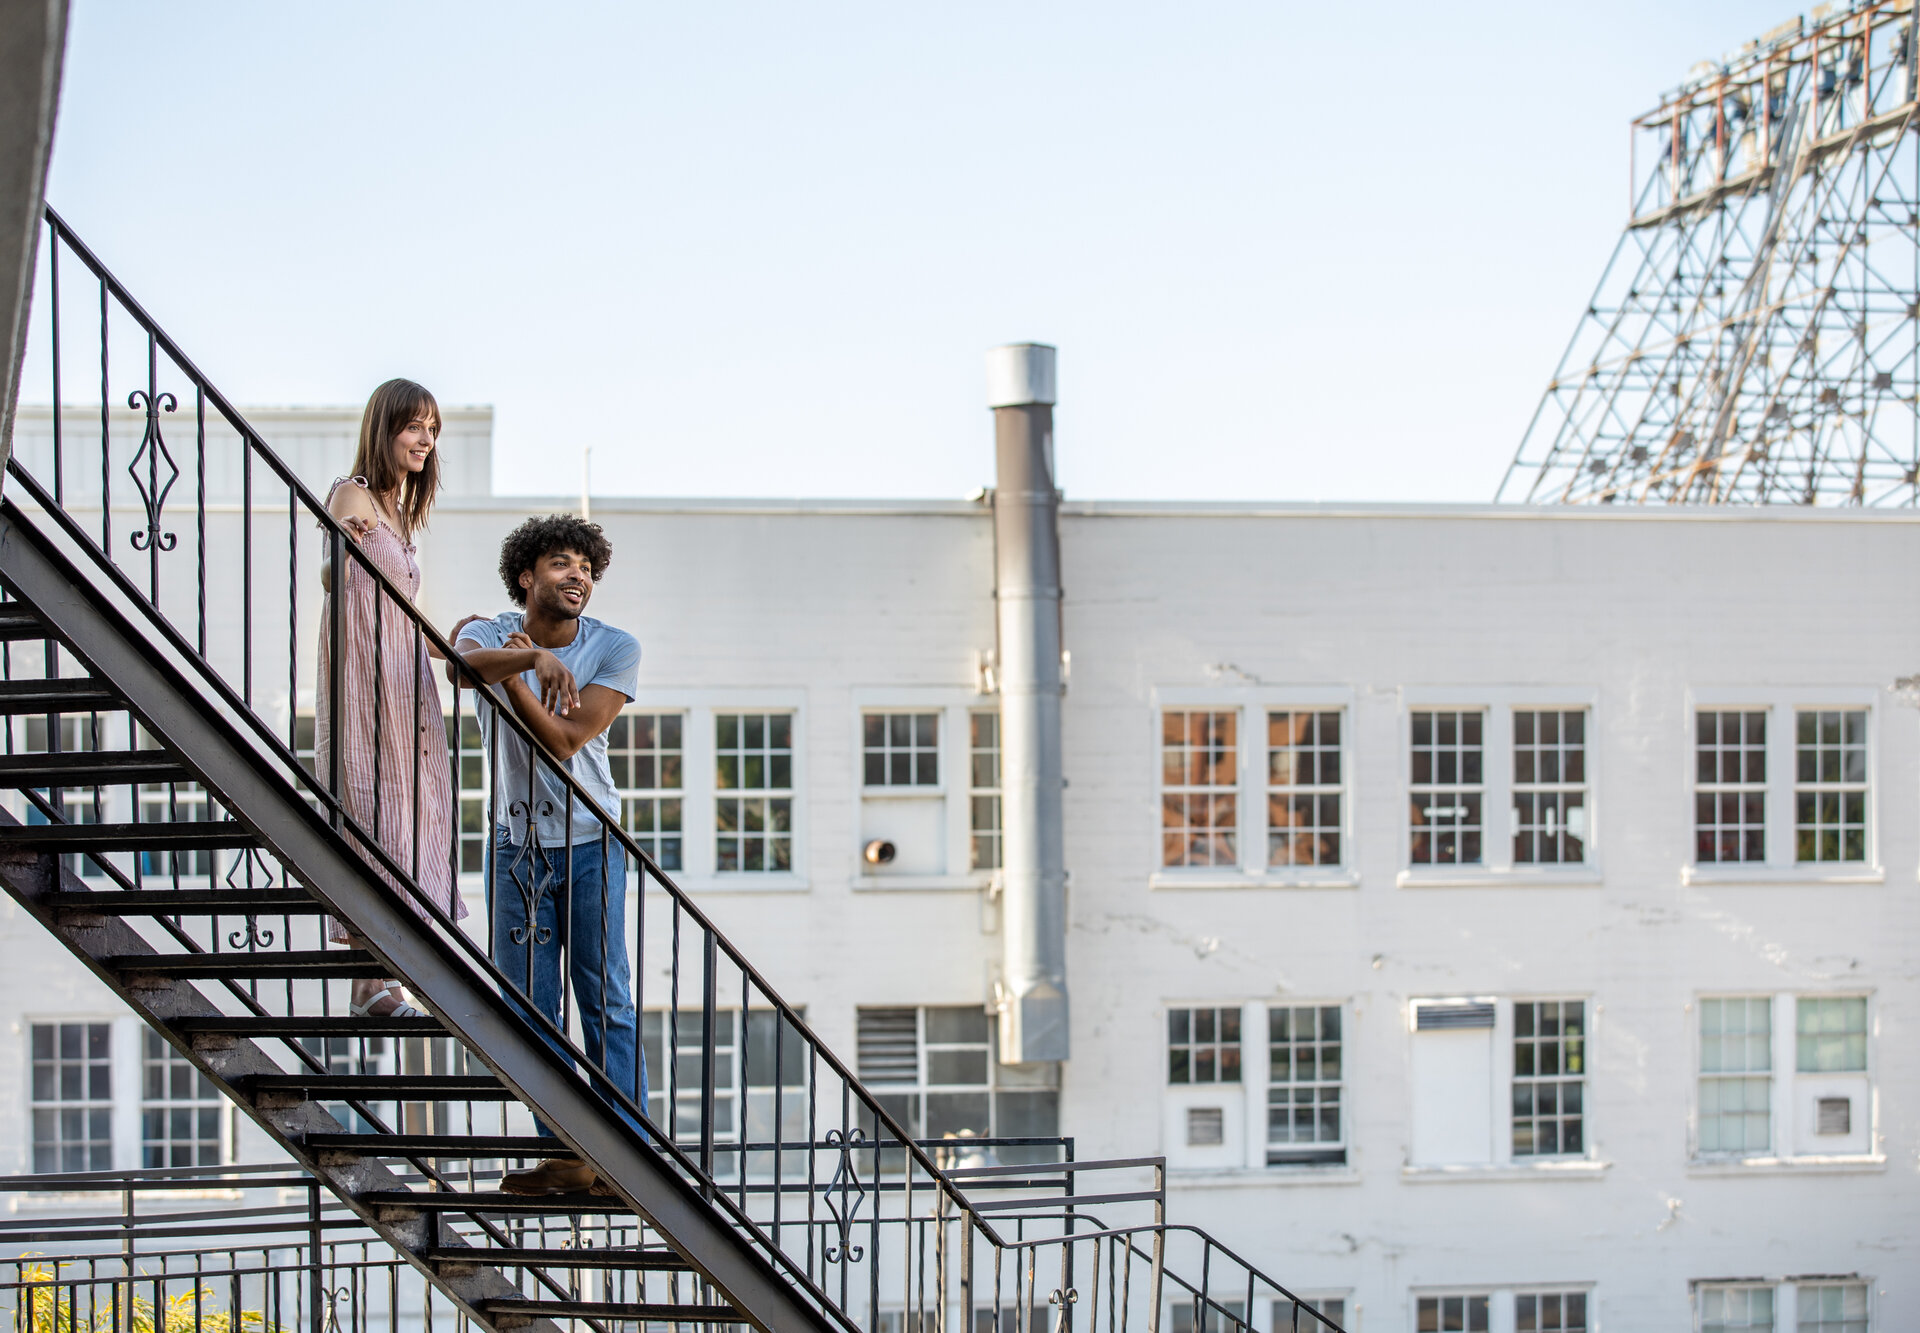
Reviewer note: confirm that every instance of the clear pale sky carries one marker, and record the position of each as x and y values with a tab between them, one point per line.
1287	252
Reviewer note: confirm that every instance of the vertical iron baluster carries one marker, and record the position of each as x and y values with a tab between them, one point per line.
200	507
671	1059
246	575
293	606
106	434
377	682
419	731
152	446
709	1001
337	637
813	1153
741	1117
53	274
779	1117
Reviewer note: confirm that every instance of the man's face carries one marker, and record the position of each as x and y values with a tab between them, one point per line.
560	584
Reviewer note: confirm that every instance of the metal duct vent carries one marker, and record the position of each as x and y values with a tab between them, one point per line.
1434	1017
889	1046
1835	1116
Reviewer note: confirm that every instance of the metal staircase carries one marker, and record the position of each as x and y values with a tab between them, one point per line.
179	835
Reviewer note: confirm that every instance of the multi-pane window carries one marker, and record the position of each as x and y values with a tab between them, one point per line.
1550	1312
1304	1073
772	1076
983	788
467	748
935	1069
1448	787
1549	786
1736	1079
1203	1045
1832	1307
1451	1314
173	803
1549	1077
72	1097
1830	1034
1304	786
351	1055
180	1109
1830	785
1190	1314
1725	1308
900	749
644	750
1730	786
1286	1320
78	805
753	769
1199	774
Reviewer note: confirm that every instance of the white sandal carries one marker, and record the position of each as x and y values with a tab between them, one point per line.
401	1009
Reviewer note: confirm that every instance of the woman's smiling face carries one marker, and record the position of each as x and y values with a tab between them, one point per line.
415	442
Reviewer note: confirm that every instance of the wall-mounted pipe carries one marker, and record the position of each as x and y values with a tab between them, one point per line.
1026	513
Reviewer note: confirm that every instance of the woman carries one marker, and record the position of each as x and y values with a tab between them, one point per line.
394	779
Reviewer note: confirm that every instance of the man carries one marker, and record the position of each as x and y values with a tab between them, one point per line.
566	676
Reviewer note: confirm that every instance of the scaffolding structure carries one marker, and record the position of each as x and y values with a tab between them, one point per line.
1755	338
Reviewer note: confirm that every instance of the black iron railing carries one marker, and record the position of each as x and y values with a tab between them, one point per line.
777	1134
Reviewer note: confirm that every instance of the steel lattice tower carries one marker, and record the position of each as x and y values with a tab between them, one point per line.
1755	338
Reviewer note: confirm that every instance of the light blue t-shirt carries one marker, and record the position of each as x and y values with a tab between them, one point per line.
598	655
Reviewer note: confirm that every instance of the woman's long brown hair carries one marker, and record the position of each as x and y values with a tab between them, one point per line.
393	407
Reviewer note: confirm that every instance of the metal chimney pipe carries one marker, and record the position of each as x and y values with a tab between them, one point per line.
1026	529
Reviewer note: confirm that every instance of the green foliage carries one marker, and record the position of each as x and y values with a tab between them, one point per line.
48	1310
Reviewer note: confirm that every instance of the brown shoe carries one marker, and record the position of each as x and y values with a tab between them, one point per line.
555	1175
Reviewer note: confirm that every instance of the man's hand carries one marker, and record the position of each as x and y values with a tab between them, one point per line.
558	693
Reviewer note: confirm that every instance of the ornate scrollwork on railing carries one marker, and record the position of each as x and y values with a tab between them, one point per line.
846	1176
153	448
1063	1299
529	874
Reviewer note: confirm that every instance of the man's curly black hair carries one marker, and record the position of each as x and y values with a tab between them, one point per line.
537	538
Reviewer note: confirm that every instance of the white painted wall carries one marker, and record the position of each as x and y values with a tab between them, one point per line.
1639	615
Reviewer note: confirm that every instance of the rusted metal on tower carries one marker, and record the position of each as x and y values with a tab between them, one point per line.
1755	338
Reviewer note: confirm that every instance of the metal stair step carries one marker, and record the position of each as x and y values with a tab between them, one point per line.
190	902
436	1145
17	623
260	963
385	1087
677	1314
91	768
317	1025
61	694
157	837
649	1260
493	1201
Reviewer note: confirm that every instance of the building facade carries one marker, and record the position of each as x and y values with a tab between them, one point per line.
1501	918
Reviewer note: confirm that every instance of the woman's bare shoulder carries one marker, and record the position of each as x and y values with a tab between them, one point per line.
351	500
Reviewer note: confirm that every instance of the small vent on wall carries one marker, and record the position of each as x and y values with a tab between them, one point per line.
888	1046
1432	1017
1206	1126
1834	1116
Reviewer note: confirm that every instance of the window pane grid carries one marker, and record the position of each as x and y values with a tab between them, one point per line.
1199	774
1451	1314
1447	788
1830	785
1304	1080
1736	1061
941	1078
1550	1312
646	752
1832	1307
1304	786
467	749
1830	1034
1730	786
1728	1309
1549	786
753	752
180	1110
1549	1084
72	1097
1203	1045
983	783
901	749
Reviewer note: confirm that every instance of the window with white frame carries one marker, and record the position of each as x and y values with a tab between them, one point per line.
753	807
1448	787
1830	784
1831	1307
1736	1074
983	788
935	1068
1305	787
1451	1314
78	805
1550	1312
1306	1122
1203	1045
466	747
71	1096
1309	1317
1199	781
1734	1307
1549	786
1189	1313
900	749
646	751
173	803
182	1115
1830	1034
1549	1078
772	1075
1730	785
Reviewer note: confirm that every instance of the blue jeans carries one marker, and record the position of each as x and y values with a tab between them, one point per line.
589	920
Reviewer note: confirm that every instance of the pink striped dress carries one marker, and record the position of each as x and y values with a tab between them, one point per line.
414	826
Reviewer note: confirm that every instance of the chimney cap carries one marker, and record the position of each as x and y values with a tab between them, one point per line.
1021	374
